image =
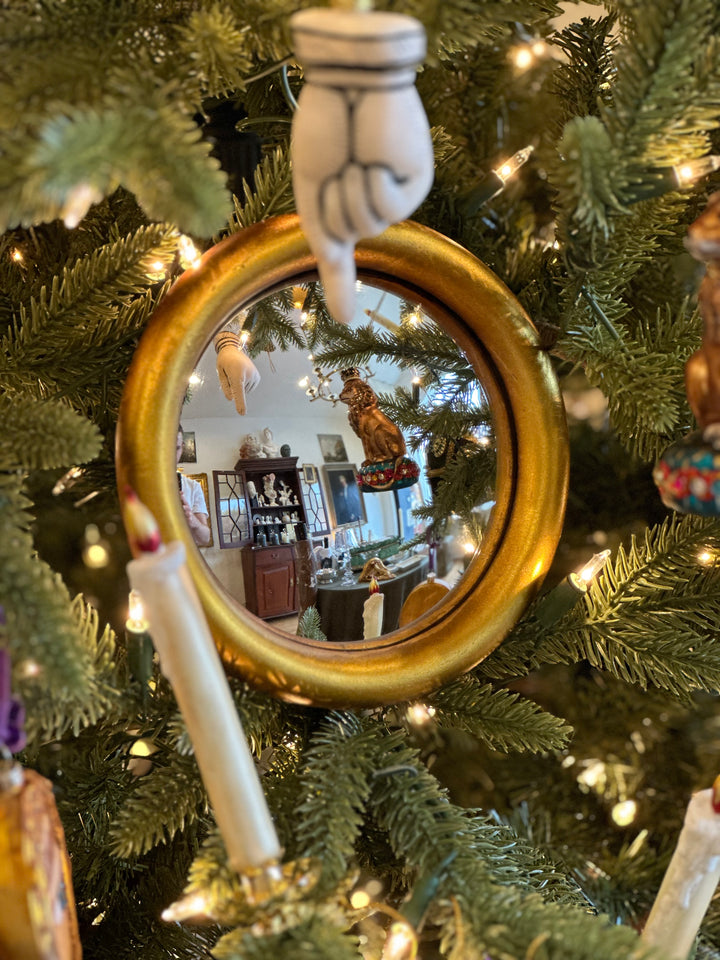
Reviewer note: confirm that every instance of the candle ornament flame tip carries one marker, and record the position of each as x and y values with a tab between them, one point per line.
141	526
715	797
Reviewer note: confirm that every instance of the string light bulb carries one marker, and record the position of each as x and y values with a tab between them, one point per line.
29	669
140	764
95	553
140	650
156	270
359	899
526	54
401	942
593	567
136	613
420	714
17	255
689	172
67	480
624	813
522	57
567	593
188	253
194	905
492	183
511	166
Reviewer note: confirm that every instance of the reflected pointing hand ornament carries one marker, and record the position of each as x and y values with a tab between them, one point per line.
237	373
362	151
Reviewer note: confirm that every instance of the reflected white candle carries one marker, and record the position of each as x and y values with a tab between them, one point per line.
190	661
690	881
373	612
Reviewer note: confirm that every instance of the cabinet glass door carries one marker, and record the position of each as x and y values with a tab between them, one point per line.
231	507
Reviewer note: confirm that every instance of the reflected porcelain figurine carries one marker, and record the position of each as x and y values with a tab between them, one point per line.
251	448
269	488
285	493
269	447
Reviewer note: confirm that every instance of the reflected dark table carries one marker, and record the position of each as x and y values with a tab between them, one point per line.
340	605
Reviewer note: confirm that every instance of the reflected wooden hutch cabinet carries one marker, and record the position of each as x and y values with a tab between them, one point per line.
270	581
269	570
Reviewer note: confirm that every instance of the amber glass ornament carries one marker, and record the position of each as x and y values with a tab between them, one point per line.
37	907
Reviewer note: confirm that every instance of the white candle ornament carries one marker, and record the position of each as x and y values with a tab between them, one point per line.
190	661
362	153
690	881
373	612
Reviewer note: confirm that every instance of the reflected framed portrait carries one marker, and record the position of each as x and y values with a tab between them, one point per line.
202	479
332	448
344	496
309	472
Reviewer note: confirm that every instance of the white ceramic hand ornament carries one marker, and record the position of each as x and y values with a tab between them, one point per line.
237	373
361	147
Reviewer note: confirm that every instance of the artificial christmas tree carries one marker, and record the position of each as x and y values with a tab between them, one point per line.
478	819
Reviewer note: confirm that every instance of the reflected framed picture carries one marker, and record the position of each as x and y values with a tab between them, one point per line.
202	479
407	500
332	448
189	451
344	496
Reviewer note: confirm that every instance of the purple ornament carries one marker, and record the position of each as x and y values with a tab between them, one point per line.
12	712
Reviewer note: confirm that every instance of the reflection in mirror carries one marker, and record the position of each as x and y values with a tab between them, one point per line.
281	422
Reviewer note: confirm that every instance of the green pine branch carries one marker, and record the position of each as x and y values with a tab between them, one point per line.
499	717
642	376
77	305
145	819
424	828
313	939
583	81
51	713
335	785
39	435
218	47
412	346
663	103
309	625
45	638
647	619
271	324
271	193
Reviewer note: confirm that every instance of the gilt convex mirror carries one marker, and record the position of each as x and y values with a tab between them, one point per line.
409	266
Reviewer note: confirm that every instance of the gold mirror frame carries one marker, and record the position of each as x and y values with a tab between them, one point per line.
473	306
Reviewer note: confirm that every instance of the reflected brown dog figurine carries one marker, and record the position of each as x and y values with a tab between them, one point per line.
380	438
